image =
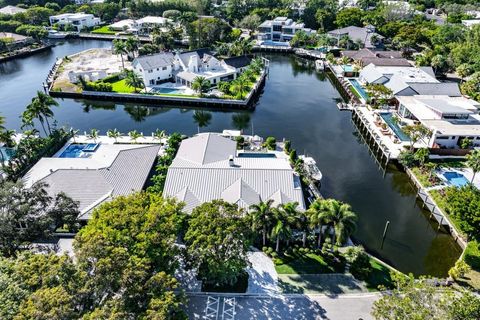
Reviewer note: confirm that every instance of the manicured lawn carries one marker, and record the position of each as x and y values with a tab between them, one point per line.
441	201
121	87
425	179
309	263
380	276
103	30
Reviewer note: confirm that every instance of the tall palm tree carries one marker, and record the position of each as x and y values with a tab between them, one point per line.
119	47
282	225
40	108
239	87
303	224
74	133
202	119
473	161
290	212
133	80
343	219
201	85
135	135
115	134
261	215
93	135
318	216
131	45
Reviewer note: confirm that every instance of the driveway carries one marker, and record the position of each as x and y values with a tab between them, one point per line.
262	276
298	307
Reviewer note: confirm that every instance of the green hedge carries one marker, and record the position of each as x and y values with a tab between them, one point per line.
472	255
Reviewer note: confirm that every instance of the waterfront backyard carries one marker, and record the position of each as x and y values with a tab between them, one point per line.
297	103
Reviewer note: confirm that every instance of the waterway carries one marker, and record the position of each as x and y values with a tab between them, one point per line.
298	104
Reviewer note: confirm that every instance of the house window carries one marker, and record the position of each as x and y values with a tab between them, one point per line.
150	71
164	68
152	82
158	69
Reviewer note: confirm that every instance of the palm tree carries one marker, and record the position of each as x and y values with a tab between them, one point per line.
119	48
343	219
74	134
93	135
473	161
303	224
133	80
239	87
40	108
201	85
115	134
318	216
159	135
134	135
290	211
7	138
202	119
282	223
2	123
131	45
261	215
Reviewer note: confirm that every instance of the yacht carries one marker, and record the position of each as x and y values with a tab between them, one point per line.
54	34
311	167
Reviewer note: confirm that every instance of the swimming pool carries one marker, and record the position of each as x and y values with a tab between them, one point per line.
6	153
78	150
388	118
456	179
168	90
356	85
348	68
275	43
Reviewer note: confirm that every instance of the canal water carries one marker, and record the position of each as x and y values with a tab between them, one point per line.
298	104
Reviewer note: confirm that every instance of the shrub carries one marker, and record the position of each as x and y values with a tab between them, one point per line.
406	158
359	260
265	249
270	143
459	270
274	255
277	261
112	78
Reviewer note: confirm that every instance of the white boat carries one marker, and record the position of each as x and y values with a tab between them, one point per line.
54	34
319	65
311	167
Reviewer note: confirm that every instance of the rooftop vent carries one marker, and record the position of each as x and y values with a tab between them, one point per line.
230	161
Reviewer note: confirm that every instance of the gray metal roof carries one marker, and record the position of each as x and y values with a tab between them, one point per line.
386	62
201	172
90	187
443	88
356	34
153	61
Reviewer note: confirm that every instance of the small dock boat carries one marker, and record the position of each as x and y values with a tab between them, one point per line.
54	34
311	167
344	106
319	65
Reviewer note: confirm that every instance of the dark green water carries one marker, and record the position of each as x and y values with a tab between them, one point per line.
298	104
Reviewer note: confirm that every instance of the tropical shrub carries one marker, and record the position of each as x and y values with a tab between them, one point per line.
359	260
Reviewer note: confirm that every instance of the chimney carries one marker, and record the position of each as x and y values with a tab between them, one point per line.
230	161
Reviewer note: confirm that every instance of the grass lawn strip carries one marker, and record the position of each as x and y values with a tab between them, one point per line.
103	30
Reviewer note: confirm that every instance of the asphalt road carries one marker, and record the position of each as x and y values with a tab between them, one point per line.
341	307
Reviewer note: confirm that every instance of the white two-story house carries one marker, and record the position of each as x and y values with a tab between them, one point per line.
154	69
280	29
79	21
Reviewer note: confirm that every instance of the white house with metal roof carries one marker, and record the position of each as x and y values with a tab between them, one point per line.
92	173
450	119
407	80
209	167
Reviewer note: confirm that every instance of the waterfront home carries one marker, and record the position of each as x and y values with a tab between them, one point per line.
93	172
154	69
141	26
450	119
367	56
79	20
11	10
209	166
367	36
407	80
280	29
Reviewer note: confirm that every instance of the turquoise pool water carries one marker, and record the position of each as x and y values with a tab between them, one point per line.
6	153
168	90
348	68
275	43
456	179
359	89
76	150
388	117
